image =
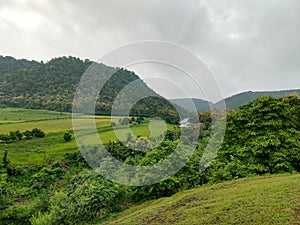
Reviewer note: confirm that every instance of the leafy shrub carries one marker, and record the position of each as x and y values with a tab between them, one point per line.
37	133
67	136
89	199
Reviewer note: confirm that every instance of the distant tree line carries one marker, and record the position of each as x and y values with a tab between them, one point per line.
13	136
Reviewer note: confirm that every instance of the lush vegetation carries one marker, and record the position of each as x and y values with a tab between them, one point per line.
52	86
47	181
8	64
19	136
200	105
232	102
235	101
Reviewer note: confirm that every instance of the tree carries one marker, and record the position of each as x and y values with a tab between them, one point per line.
67	136
261	137
19	135
36	132
5	160
27	134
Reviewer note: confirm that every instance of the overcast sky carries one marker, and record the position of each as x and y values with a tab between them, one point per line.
249	45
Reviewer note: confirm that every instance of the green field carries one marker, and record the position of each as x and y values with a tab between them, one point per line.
17	115
257	200
55	124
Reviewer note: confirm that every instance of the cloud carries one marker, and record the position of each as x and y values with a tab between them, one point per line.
250	45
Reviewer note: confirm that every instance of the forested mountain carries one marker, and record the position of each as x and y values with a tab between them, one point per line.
51	85
9	64
201	105
235	101
232	102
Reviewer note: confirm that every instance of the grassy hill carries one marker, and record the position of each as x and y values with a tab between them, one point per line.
257	200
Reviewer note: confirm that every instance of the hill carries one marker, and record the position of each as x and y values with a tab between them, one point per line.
235	101
10	64
232	102
45	180
201	105
51	86
257	200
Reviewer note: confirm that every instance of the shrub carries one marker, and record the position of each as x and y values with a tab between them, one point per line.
67	136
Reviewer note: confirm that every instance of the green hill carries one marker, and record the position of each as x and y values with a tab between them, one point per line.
232	102
257	200
10	64
235	101
52	85
201	105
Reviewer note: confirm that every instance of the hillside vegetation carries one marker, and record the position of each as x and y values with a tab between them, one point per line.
257	200
232	102
52	86
47	181
235	101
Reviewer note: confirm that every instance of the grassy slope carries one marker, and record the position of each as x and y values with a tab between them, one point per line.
54	124
257	200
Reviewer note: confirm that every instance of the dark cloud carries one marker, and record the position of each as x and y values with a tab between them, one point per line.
250	45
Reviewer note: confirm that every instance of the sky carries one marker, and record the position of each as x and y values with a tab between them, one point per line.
247	45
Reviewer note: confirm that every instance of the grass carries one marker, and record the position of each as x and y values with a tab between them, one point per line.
53	147
256	200
18	115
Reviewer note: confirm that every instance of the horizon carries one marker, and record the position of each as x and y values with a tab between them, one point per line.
157	91
247	45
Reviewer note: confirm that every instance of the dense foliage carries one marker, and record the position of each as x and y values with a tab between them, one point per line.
235	101
262	137
52	86
18	136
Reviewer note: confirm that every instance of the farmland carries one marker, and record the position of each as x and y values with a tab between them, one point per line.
55	124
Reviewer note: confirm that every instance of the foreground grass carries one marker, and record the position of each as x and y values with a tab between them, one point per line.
257	200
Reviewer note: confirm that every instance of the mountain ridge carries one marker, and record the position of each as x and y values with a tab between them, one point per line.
233	102
51	86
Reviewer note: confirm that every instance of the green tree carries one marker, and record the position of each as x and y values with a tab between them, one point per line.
36	132
67	136
261	137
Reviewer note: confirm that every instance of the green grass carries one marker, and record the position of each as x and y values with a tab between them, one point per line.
17	115
38	151
258	200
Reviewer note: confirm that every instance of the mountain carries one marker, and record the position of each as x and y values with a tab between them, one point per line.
235	101
201	105
51	86
10	64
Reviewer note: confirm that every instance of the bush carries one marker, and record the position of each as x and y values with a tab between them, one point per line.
67	136
89	199
37	133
